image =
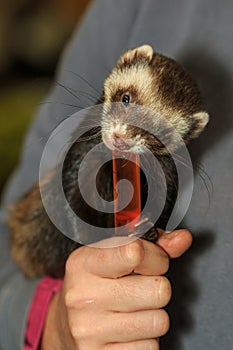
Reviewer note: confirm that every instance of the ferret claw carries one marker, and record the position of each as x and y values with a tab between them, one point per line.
152	235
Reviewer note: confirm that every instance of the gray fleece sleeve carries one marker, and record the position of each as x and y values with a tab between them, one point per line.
15	295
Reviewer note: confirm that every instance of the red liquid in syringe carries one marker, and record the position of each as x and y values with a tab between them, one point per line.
128	169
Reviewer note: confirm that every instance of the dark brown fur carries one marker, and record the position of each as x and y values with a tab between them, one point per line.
36	244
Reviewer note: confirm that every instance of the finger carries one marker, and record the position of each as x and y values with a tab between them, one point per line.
136	293
126	294
175	243
135	326
118	327
138	256
115	262
106	262
147	344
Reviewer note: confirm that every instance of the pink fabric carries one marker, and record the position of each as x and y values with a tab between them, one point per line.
38	310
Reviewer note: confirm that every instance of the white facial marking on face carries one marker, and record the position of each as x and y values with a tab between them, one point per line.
137	76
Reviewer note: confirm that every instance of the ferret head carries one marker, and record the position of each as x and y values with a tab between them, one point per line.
168	99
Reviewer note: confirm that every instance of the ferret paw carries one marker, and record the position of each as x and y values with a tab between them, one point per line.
152	235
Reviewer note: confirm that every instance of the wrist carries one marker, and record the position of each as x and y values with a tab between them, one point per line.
39	311
51	336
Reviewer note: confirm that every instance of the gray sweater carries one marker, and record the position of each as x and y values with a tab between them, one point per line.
198	34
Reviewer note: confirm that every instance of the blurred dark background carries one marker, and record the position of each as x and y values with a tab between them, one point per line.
32	36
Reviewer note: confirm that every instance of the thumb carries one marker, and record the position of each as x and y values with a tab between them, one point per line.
175	243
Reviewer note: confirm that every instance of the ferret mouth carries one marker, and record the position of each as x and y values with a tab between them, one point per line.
119	142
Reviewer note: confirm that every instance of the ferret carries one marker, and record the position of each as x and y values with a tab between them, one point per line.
142	77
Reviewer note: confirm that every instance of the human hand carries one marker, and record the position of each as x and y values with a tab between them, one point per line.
102	306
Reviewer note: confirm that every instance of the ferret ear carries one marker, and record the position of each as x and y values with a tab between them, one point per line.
144	52
200	120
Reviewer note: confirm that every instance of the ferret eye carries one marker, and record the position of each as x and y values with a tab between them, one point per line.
125	99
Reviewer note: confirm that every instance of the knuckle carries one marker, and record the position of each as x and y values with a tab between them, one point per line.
69	298
77	298
80	328
71	263
76	259
132	253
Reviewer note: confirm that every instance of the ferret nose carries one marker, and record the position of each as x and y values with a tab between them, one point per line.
120	143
